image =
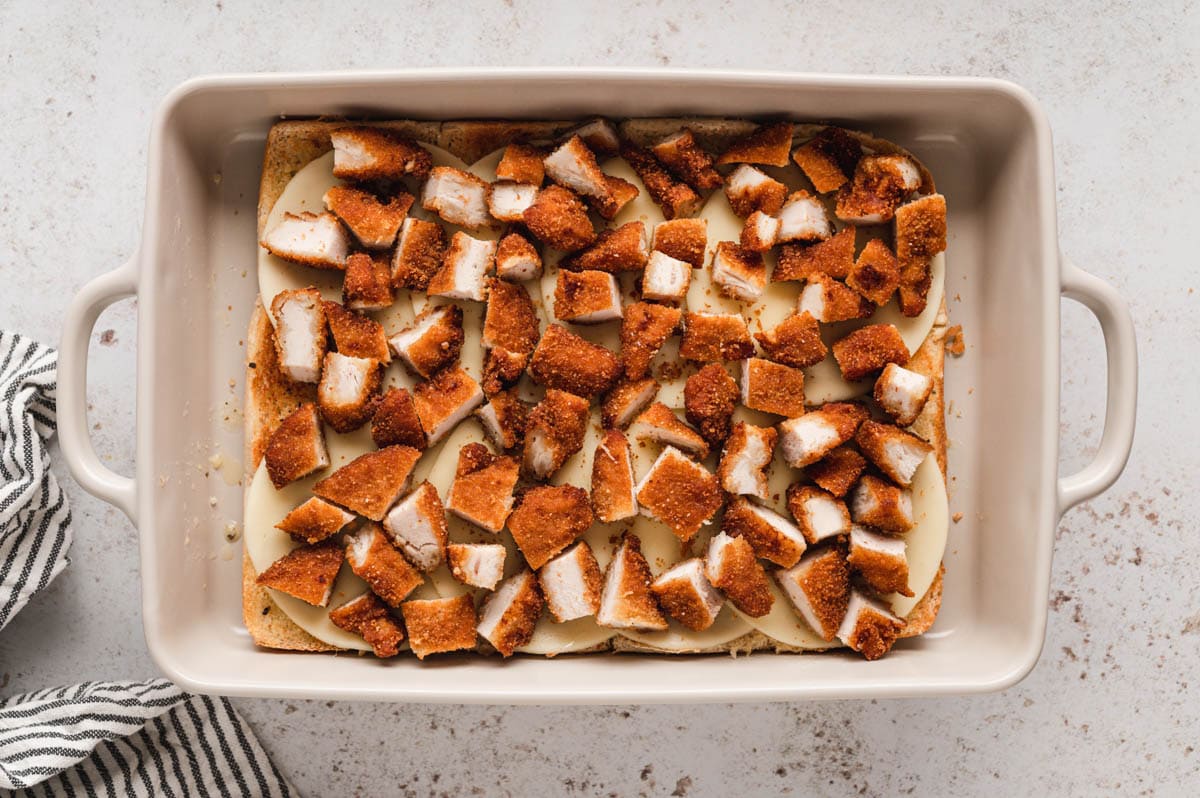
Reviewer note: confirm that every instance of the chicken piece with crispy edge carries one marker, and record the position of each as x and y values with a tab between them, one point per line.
622	249
627	601
920	233
569	363
893	451
456	196
626	400
645	327
837	471
808	438
772	387
348	389
373	222
659	424
522	163
689	162
310	239
419	253
315	520
507	201
356	335
738	272
464	269
819	514
438	626
795	341
502	369
367	617
372	153
367	284
684	593
828	159
709	399
376	561
682	239
510	320
554	432
679	492
760	232
613	496
600	136
571	583
869	628
709	337
559	220
507	616
573	165
751	190
876	273
868	349
587	297
432	341
504	418
769	144
879	186
666	279
819	588
477	564
833	257
300	338
417	527
296	448
674	197
803	218
731	567
772	536
881	560
902	393
370	483
548	519
306	573
395	421
875	502
748	452
517	259
482	492
444	400
828	300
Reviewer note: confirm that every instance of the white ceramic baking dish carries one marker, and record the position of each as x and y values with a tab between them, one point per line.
986	141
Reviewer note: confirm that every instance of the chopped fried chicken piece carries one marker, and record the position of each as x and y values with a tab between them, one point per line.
795	341
373	222
517	259
418	255
837	471
880	184
685	594
833	257
829	300
876	273
772	387
417	525
521	163
679	492
819	588
296	448
820	515
626	601
613	496
371	483
659	423
299	333
644	329
810	437
464	269
432	342
666	279
869	628
880	504
436	626
748	452
314	521
508	201
772	536
895	452
456	196
625	401
803	218
504	419
902	393
709	398
306	573
375	560
367	617
828	158
769	144
623	249
554	432
507	617
682	239
571	583
709	337
674	197
881	560
372	153
869	349
682	155
444	400
548	519
749	190
558	219
731	568
348	388
587	297
310	239
477	564
740	273
565	361
482	493
396	422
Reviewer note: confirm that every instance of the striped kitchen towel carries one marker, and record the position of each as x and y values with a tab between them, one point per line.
110	738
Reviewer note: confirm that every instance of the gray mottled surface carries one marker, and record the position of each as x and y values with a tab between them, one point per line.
1110	706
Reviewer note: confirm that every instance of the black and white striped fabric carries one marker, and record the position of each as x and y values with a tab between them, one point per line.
94	739
131	738
35	523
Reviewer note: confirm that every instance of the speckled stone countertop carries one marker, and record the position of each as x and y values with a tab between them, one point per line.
1111	706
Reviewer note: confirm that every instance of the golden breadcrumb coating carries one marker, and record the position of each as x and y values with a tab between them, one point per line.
828	158
578	294
291	449
742	579
307	573
920	234
882	572
384	568
674	197
558	422
659	423
869	349
836	472
419	255
396	422
622	249
683	239
679	599
795	341
373	222
842	303
521	163
876	273
833	257
682	155
367	284
827	586
622	404
709	398
510	320
874	634
612	478
710	337
548	519
370	484
367	617
888	511
875	439
740	521
511	416
483	486
314	520
356	335
559	219
769	144
565	361
682	494
436	626
773	388
391	156
442	395
515	245
645	327
766	196
637	603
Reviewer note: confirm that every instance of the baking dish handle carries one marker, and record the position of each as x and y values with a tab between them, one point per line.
74	438
1120	411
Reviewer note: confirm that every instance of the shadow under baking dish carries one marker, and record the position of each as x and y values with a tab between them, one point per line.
986	147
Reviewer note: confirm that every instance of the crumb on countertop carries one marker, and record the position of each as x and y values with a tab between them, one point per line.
955	344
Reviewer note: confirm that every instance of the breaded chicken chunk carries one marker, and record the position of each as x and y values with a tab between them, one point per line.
674	197
356	335
681	154
769	144
373	222
554	432
684	592
507	616
367	617
517	259
881	560
740	273
828	158
437	626
571	583
868	349
666	279
372	153
902	393
829	300
613	497
565	361
622	249
458	197
477	564
482	493
377	562
444	400
869	628
772	387
370	483
748	452
731	567
709	398
795	341
347	391
504	419
548	519
819	588
432	342
837	471
645	327
316	240
587	297
882	505
395	421
709	337
300	325
658	423
306	573
626	401
367	284
315	520
679	492
808	438
749	190
417	526
772	536
833	257
626	601
682	239
464	269
521	163
895	452
296	448
820	515
876	273
419	253
559	220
